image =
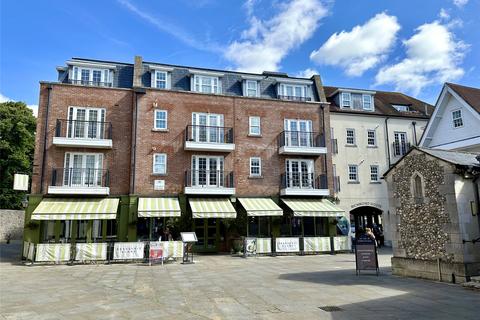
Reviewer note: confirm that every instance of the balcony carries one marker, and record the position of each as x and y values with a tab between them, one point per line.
400	148
83	134
294	98
304	184
209	138
206	182
91	83
301	143
80	181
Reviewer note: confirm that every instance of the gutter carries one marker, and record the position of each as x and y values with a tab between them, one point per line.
45	131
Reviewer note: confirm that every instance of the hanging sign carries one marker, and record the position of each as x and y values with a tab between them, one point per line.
366	254
20	182
128	250
287	244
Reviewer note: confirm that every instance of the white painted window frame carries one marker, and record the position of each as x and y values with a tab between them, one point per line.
350	166
374	138
376	167
159	111
259	174
343	99
370	99
251	125
214	89
247	89
160	155
106	74
460	118
354	137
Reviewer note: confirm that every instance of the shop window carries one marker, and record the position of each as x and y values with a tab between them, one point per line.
309	226
97	231
82	227
65	231
48	231
111	229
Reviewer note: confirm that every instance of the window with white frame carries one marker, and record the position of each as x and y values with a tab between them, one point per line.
91	76
255	166
292	92
251	88
159	163
353	173
346	100
351	137
254	126
83	169
371	138
457	118
401	108
161	120
367	102
374	174
161	79
206	84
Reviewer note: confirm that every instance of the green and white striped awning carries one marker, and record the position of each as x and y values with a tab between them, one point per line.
313	208
158	207
212	208
76	209
257	207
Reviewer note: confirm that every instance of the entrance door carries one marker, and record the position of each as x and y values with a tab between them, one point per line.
86	123
207	127
300	173
298	133
207	171
83	169
207	234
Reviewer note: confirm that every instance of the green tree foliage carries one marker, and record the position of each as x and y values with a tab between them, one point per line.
17	141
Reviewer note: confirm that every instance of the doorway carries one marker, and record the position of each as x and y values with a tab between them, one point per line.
207	231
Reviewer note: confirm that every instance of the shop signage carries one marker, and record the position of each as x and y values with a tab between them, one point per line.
159	185
366	204
128	250
155	252
287	244
366	254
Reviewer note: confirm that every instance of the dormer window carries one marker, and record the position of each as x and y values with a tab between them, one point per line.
91	76
356	100
401	108
251	88
293	92
206	84
346	100
161	79
367	102
161	76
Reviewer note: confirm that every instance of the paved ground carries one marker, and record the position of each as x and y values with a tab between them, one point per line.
225	287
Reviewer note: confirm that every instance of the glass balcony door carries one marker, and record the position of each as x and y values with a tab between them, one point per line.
83	170
300	173
86	123
207	171
207	127
298	133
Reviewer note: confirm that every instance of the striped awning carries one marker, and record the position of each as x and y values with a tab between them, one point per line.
313	208
257	207
212	208
76	209
158	207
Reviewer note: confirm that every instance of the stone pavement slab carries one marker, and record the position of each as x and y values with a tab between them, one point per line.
225	287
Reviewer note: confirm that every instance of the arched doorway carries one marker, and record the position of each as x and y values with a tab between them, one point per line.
366	217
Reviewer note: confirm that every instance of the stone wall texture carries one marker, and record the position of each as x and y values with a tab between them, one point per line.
421	226
11	222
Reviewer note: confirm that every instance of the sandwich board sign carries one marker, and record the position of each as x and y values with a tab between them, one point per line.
366	257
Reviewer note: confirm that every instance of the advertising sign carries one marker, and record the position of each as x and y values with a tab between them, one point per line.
128	250
156	252
287	244
366	254
249	246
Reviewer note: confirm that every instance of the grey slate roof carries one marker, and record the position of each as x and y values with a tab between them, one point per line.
454	157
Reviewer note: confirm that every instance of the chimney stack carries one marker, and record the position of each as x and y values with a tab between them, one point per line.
138	72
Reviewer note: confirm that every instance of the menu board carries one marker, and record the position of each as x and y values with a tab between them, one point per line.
366	254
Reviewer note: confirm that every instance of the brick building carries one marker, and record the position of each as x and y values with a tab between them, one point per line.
125	150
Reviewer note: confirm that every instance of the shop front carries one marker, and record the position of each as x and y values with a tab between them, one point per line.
156	218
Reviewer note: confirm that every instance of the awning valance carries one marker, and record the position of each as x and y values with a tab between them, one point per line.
212	208
257	207
158	207
76	209
313	208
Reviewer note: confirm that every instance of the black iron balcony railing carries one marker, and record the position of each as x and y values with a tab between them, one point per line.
336	184
301	139
83	129
91	83
305	180
80	177
294	98
400	148
210	134
209	179
334	146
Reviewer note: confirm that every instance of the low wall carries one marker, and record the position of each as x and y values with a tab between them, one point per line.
11	222
428	269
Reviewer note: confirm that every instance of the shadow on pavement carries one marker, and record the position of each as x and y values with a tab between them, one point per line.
11	253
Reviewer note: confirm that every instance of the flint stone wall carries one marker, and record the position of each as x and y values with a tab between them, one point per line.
421	228
11	222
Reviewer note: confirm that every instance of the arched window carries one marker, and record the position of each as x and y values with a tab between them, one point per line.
417	189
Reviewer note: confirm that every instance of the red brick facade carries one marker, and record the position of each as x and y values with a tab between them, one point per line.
120	111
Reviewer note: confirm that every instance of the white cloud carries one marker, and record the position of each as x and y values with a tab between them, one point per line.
444	15
34	107
307	73
265	43
460	3
433	56
360	49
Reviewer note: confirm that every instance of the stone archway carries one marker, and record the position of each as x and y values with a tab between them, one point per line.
365	217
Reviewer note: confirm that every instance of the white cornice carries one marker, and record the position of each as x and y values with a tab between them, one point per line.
293	81
160	68
90	64
206	73
352	91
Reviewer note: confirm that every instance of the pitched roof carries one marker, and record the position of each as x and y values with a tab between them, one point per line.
469	94
454	157
383	101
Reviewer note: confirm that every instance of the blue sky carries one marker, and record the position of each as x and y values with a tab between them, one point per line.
403	45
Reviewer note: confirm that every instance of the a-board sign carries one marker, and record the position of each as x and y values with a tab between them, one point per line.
366	254
155	253
249	246
188	236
